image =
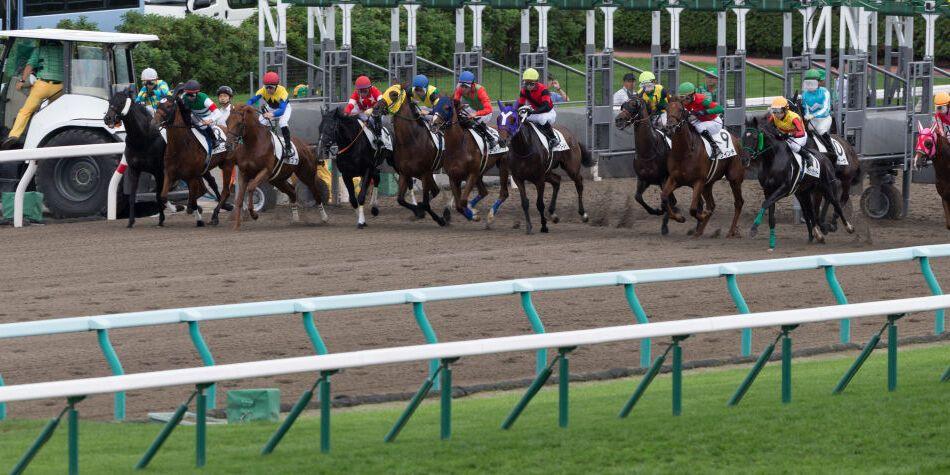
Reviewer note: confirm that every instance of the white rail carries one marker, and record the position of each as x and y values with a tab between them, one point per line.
32	155
311	364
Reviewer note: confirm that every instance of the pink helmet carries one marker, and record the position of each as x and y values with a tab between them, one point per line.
271	79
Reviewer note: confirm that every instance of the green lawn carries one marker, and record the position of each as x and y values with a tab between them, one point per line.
865	430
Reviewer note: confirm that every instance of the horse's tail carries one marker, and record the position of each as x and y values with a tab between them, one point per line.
587	159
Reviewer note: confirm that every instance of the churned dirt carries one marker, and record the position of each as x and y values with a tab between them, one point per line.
97	267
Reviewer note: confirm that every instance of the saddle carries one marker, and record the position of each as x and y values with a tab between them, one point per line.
724	142
385	136
841	159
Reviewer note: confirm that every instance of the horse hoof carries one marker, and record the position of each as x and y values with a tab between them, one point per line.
544	229
664	230
253	215
360	225
129	226
490	219
214	221
555	218
690	232
716	234
420	214
446	216
374	211
227	206
849	228
584	218
476	218
200	224
679	219
754	232
179	208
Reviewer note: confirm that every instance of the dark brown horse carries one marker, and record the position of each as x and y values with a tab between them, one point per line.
414	155
528	161
253	149
185	157
689	165
934	149
652	154
465	161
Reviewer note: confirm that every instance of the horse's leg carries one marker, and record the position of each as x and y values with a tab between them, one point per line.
808	211
831	196
404	184
374	200
159	183
239	201
255	182
525	205
283	185
710	206
574	173
555	180
163	196
773	198
642	185
194	191
946	212
694	209
539	185
504	178
737	203
482	191
665	194
365	185
461	203
227	168
771	228
134	186
428	184
471	182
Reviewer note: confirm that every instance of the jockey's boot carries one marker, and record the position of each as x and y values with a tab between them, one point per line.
288	145
826	141
715	147
212	140
375	124
548	131
482	129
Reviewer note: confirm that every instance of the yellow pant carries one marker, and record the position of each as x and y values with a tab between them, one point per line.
40	91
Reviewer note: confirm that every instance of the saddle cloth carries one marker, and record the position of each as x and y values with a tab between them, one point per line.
279	151
481	142
386	138
561	142
724	141
840	157
813	171
200	137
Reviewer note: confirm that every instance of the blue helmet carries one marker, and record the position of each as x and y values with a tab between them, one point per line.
420	81
467	76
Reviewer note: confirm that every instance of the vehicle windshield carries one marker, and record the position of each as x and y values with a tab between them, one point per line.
89	72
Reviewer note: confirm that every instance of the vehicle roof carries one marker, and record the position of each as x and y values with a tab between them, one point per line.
78	35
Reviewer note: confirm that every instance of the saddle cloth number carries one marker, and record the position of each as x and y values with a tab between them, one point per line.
724	141
279	150
840	157
814	170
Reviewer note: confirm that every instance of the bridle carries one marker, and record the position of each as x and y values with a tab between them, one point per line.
175	109
760	147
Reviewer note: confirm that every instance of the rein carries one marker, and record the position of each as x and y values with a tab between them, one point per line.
760	148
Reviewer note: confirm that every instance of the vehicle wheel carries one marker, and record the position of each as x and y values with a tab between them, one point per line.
79	186
882	201
264	197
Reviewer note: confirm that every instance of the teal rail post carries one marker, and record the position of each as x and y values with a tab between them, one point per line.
845	324
525	291
946	375
413	405
103	336
762	360
866	352
644	383
73	438
939	320
564	380
536	386
892	352
47	433
742	307
419	312
787	363
678	374
315	339
322	382
166	431
194	331
3	406
445	397
631	294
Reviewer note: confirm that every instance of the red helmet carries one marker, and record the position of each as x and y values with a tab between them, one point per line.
271	79
363	82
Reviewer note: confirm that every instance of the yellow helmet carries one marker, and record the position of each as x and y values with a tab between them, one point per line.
779	103
530	74
942	98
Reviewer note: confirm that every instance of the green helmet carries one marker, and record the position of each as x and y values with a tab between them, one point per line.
813	74
821	74
646	76
713	71
686	88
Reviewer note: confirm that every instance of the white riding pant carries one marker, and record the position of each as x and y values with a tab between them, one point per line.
712	126
660	120
796	144
467	110
543	118
821	125
282	120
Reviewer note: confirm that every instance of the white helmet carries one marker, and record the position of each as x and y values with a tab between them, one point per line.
149	74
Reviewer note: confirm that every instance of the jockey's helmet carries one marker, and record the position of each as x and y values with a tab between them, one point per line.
226	90
271	78
191	86
149	74
363	82
530	74
467	78
686	89
420	81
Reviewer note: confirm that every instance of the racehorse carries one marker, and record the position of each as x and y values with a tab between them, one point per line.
934	149
465	161
689	165
144	148
528	161
652	154
343	137
780	176
414	155
253	149
186	158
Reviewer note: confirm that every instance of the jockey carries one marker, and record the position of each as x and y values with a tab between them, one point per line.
424	95
790	125
704	113
225	94
654	96
710	86
276	107
536	100
153	90
475	104
363	98
817	104
941	114
203	109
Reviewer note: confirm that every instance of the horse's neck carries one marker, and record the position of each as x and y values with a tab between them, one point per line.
139	131
646	137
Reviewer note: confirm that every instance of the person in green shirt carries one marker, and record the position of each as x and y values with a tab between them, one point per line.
46	64
711	86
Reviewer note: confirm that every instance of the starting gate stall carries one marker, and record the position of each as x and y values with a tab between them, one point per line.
463	59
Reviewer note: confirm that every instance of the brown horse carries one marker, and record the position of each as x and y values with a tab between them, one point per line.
934	149
689	165
414	155
528	161
186	158
253	149
464	161
652	154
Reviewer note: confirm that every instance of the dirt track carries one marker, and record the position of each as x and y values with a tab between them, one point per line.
88	268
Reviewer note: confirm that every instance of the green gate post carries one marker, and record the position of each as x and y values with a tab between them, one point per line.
564	380
163	435
935	290
194	331
753	373
872	343
419	312
678	374
841	299
644	383
787	363
3	405
201	427
538	383
739	300
102	334
892	351
446	398
946	375
536	325
315	339
413	405
634	303
325	411
74	434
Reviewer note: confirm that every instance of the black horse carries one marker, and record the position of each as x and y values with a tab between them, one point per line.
781	176
144	148
343	136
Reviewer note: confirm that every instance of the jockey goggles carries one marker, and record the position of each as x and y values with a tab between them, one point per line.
149	83
530	84
465	84
942	109
777	110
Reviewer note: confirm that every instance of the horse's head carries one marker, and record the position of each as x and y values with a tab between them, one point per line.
508	122
926	147
329	120
676	114
237	124
443	112
165	111
630	112
753	140
119	106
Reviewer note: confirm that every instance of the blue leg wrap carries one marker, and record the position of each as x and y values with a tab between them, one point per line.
468	213
496	205
476	200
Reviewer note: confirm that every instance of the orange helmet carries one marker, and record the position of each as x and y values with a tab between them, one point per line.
271	79
942	98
